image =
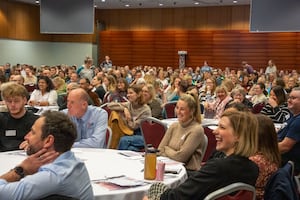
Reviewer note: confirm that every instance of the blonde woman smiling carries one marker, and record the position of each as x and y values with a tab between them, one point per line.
184	140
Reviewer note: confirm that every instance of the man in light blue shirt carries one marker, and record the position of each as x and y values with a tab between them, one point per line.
91	121
51	168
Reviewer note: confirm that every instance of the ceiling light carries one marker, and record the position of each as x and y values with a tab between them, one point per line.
235	1
127	5
37	1
103	0
196	3
160	4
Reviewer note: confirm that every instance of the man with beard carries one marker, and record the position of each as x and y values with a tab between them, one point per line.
51	168
17	121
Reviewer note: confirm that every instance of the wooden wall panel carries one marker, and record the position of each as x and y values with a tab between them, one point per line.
4	24
154	36
21	21
220	48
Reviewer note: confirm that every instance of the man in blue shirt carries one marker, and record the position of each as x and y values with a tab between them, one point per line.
289	136
51	168
91	121
206	68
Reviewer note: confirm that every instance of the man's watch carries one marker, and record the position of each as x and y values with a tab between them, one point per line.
20	171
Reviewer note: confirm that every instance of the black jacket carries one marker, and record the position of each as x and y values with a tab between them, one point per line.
215	174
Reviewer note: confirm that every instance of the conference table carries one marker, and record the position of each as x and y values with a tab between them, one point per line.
114	174
38	110
210	123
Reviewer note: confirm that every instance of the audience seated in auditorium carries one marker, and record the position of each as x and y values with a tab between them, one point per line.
153	102
208	90
239	95
29	78
74	78
288	136
109	85
45	94
267	156
132	113
237	138
91	121
184	140
277	108
50	168
17	122
171	92
292	82
120	93
97	87
19	79
259	94
59	85
84	83
218	105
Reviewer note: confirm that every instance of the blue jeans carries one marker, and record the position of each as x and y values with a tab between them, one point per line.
133	143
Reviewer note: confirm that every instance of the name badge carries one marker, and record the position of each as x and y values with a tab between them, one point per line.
10	133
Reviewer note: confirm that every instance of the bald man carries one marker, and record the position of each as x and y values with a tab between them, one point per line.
91	121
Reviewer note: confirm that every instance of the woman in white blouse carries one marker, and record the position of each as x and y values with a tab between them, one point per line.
45	94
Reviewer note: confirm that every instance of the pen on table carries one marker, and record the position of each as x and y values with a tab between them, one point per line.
109	177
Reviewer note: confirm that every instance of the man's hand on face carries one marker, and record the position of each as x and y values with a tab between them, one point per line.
24	145
33	162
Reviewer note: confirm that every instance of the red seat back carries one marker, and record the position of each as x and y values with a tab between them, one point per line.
153	131
170	109
257	108
211	146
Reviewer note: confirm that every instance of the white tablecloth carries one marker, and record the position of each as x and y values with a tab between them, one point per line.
104	163
205	122
42	109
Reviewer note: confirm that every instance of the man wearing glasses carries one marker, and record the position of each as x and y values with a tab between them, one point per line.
289	136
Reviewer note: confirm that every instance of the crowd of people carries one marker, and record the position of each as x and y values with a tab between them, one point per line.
246	102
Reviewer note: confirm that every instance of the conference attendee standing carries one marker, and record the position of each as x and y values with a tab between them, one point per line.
106	64
87	71
271	68
17	122
247	68
51	168
91	121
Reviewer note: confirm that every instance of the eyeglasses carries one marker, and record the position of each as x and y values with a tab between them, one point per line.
292	97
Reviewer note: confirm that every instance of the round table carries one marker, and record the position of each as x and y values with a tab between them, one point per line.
205	122
103	165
